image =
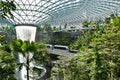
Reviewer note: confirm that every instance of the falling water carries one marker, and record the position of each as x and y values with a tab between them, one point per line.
25	33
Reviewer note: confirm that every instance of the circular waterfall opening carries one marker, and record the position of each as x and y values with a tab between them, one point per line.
26	33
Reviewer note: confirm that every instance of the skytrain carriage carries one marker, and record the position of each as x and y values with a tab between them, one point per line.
60	49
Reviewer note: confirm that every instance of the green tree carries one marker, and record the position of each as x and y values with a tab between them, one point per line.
7	66
61	38
99	57
72	68
85	24
8	32
47	27
44	33
7	62
105	45
111	45
40	55
7	7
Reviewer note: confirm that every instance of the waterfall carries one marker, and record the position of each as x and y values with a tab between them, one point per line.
25	33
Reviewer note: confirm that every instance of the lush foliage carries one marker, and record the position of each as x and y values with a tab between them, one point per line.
39	53
111	45
7	66
7	63
7	7
44	33
86	36
8	33
99	57
2	39
53	35
61	38
7	60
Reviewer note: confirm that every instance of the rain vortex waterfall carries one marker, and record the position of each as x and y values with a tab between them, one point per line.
25	33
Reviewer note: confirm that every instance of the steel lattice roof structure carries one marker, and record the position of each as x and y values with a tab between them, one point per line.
62	11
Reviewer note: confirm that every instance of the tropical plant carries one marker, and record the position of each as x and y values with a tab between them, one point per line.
8	32
88	34
111	45
39	53
99	57
87	65
85	24
61	38
47	28
44	33
7	63
7	60
2	39
6	7
7	66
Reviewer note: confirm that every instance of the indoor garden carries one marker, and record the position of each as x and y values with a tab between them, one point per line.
59	40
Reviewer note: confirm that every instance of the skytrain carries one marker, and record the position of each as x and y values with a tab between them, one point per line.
60	49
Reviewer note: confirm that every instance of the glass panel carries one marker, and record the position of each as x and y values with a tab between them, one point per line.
62	11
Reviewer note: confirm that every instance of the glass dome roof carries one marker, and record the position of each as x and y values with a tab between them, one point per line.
62	11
